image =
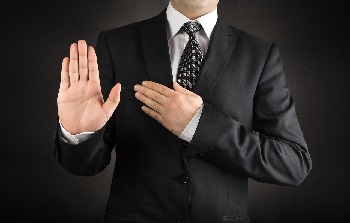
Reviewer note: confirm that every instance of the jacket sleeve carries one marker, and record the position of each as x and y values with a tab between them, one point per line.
274	152
92	155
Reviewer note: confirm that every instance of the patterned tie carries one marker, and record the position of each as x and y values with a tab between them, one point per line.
191	58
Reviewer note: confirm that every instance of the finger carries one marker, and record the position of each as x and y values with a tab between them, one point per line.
73	64
164	90
150	93
64	85
179	88
153	114
149	102
93	66
83	61
112	101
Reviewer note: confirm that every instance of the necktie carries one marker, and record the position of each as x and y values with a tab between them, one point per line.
191	58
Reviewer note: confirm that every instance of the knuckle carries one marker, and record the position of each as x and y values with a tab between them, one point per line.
93	69
112	101
155	106
156	116
73	71
82	67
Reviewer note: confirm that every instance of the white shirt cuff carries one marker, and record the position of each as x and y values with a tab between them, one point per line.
191	127
74	139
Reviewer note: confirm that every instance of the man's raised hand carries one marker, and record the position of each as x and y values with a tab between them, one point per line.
80	103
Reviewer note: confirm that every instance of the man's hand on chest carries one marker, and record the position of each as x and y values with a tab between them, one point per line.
173	108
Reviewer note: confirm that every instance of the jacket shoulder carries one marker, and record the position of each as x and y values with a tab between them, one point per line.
130	29
247	39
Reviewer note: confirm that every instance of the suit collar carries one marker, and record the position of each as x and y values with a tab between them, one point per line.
157	58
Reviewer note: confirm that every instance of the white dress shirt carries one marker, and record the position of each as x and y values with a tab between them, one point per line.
177	41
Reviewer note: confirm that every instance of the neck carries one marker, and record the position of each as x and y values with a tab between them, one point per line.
193	11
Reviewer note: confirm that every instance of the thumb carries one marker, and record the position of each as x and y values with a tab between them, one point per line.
179	88
112	101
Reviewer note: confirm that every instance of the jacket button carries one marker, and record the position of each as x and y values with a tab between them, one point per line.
183	179
199	155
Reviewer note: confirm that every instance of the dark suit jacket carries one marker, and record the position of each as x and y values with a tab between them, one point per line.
248	129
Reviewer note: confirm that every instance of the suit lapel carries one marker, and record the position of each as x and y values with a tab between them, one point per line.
156	50
219	52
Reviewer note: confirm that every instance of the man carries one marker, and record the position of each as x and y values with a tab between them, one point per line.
190	121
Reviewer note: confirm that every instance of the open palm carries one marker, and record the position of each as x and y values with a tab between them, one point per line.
80	103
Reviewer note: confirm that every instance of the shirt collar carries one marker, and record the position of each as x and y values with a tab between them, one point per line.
176	20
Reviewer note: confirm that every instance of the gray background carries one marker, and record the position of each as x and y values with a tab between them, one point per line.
36	36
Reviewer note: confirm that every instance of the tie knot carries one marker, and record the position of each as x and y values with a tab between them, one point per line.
191	28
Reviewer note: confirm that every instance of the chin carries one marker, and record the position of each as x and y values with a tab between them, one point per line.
199	4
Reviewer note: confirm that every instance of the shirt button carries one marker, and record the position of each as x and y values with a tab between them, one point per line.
183	179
